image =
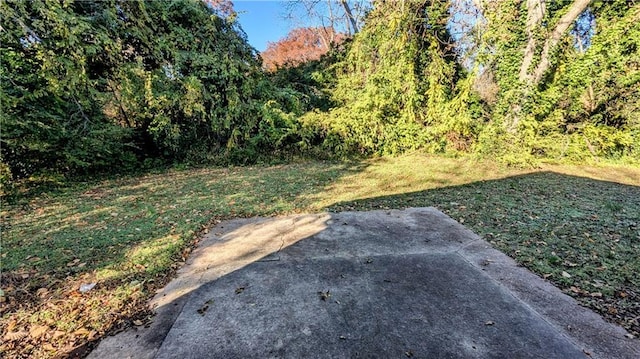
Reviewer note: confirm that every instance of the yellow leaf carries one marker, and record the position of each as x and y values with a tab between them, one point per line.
81	332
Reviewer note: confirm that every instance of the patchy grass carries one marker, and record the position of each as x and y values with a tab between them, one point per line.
129	235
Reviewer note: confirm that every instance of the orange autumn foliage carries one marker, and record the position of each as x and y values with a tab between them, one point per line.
299	46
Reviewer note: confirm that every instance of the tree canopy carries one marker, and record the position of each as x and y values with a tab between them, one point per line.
113	85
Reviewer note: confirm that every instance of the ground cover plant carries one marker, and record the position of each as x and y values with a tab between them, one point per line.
577	226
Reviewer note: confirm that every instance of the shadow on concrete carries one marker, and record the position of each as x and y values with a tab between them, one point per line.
388	283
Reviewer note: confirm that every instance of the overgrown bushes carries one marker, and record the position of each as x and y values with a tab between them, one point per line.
109	86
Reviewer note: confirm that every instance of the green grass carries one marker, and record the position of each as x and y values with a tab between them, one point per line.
129	234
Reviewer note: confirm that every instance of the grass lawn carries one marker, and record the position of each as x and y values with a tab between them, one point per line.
577	226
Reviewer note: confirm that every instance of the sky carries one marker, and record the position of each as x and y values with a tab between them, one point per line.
263	21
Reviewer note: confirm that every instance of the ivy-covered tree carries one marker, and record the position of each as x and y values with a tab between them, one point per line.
51	105
530	49
398	87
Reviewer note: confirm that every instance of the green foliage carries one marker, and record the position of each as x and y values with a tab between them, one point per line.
397	87
51	116
90	86
585	107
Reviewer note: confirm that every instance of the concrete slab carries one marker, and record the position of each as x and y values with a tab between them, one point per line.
411	283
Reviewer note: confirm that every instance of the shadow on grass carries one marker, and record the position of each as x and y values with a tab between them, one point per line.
580	233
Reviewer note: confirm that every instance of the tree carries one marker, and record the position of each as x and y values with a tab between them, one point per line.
341	16
532	49
299	46
97	85
397	86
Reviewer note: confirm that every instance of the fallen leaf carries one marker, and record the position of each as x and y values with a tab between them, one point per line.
324	295
629	335
409	354
239	290
566	275
15	335
57	334
204	307
42	292
37	331
342	337
489	322
137	322
81	332
73	262
596	295
12	324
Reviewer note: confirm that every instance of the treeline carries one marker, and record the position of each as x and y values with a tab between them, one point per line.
112	85
521	81
104	85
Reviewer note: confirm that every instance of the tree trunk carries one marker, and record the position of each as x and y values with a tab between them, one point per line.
347	11
535	13
575	10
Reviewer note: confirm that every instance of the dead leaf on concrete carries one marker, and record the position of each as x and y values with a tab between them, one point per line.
486	262
324	295
204	307
489	322
137	322
240	290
